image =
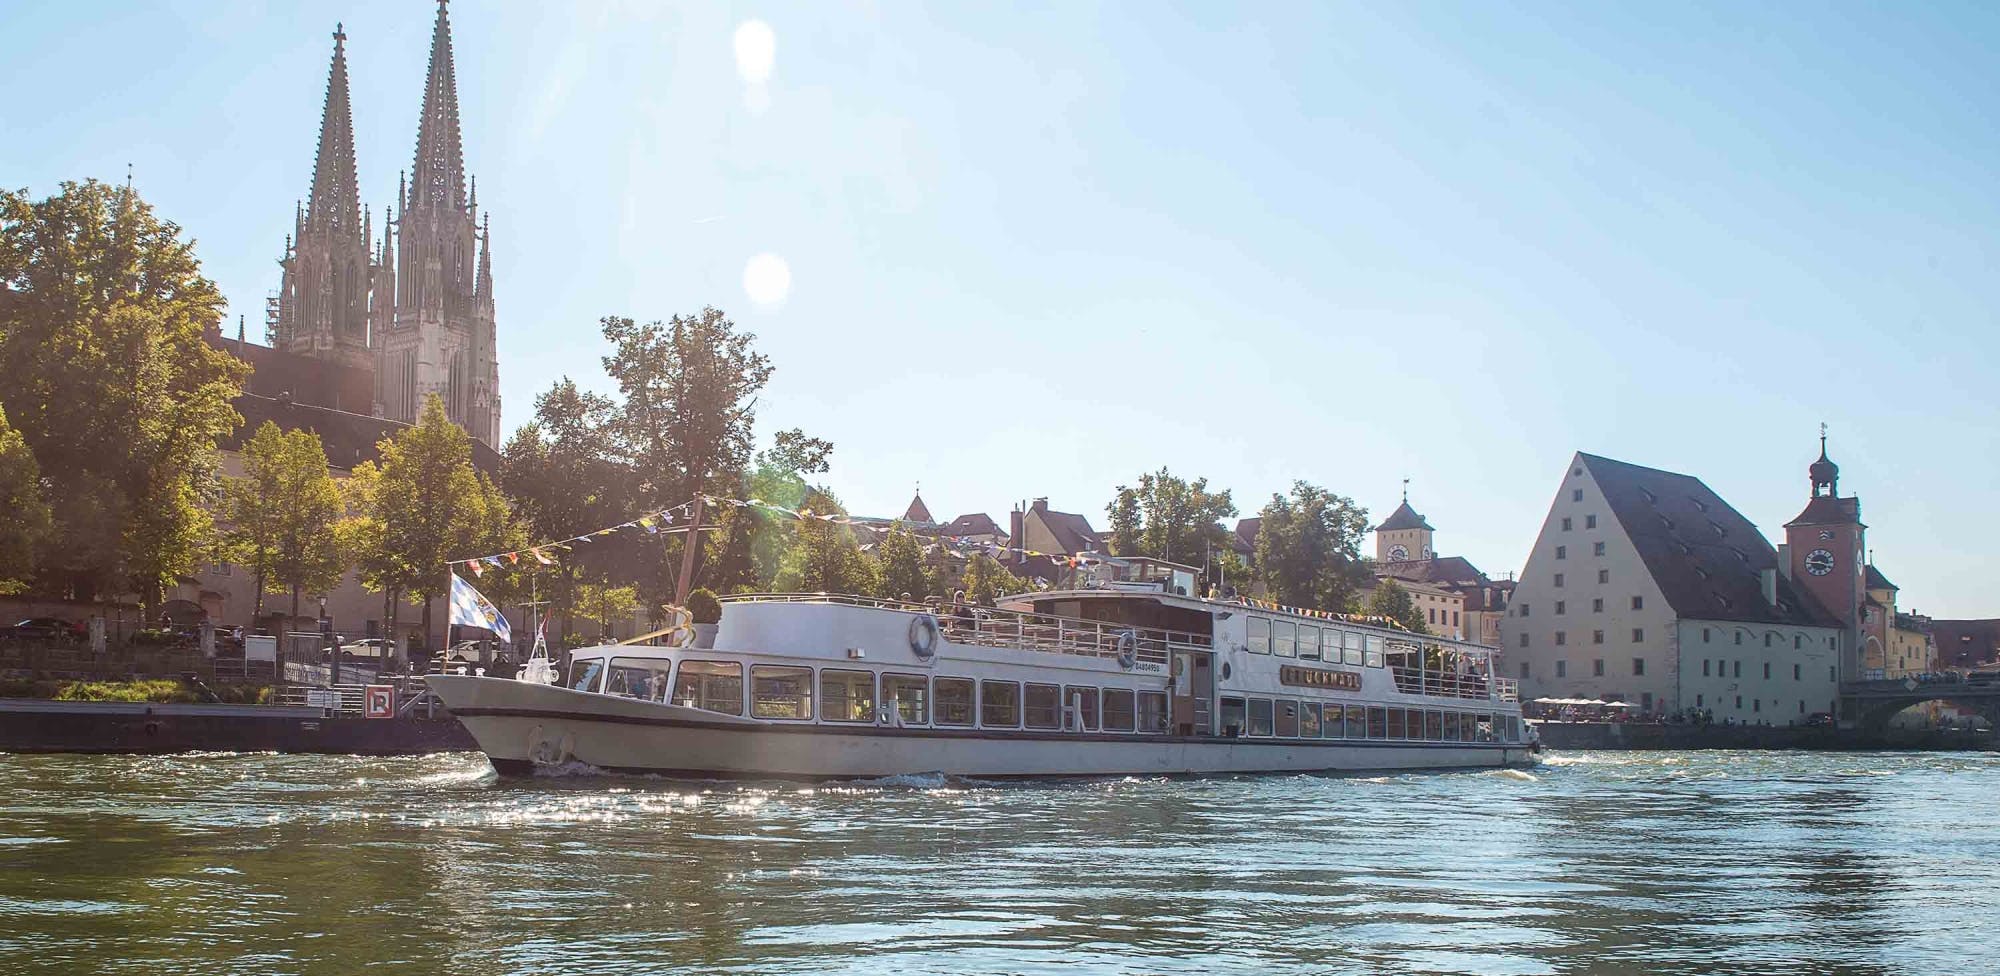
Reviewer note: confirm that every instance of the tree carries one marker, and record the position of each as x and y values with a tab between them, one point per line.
689	388
823	557
1390	600
26	528
986	581
283	515
424	505
111	384
563	472
753	542
1170	518
1309	548
903	565
605	604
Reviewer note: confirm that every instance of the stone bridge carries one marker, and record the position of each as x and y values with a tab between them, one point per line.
1870	704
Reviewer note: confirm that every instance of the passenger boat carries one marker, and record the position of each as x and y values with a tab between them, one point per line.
1135	678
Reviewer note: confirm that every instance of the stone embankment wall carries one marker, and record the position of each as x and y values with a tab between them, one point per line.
1613	735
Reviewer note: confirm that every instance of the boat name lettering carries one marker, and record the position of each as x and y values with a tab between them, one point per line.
1316	678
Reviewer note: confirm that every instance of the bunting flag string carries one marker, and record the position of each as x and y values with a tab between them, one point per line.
665	521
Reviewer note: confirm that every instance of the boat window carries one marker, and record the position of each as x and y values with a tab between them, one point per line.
1513	728
1451	726
1260	716
909	694
638	677
1081	704
1118	710
712	686
1330	722
1309	642
1309	720
1260	635
1288	718
1378	724
1396	723
1284	638
954	700
1043	707
1350	648
1235	720
1152	711
781	692
846	696
1374	656
583	672
1483	725
999	705
1434	726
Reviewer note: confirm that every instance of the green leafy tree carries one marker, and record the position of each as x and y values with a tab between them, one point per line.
1309	548
423	505
1170	518
112	386
824	557
902	559
688	389
986	580
563	472
605	604
1390	600
25	529
283	515
754	541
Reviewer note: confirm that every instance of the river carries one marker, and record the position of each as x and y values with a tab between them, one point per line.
1738	862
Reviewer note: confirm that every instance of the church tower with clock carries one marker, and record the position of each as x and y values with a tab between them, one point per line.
1827	541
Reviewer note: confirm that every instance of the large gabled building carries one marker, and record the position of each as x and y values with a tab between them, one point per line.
1646	587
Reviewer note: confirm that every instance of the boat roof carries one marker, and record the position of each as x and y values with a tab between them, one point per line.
1378	625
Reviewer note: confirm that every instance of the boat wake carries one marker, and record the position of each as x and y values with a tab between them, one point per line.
569	767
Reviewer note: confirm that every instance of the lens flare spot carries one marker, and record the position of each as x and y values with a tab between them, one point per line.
767	280
756	51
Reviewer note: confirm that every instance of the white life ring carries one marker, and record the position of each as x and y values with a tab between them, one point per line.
924	636
1128	649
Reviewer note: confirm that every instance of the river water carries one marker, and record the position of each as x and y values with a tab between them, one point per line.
1592	863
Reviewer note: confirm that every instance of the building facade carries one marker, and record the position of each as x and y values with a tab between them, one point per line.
1645	587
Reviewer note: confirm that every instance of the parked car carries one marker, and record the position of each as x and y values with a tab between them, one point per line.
1819	719
46	629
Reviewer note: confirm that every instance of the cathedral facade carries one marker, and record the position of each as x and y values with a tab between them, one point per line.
412	309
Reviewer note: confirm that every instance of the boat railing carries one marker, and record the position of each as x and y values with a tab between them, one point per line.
988	627
1452	684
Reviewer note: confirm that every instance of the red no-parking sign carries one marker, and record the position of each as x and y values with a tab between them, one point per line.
380	701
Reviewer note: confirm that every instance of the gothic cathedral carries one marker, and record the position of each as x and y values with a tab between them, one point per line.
414	309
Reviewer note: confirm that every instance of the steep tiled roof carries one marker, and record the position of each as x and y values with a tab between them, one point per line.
1828	510
1966	643
1877	581
1443	569
918	511
316	382
1245	539
348	438
1702	553
1071	530
977	523
1404	517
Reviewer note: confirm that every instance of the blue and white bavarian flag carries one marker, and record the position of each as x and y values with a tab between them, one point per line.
469	608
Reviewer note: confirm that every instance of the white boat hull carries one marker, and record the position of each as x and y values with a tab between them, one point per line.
521	726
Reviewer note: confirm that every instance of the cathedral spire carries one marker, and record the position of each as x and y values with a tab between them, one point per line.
336	197
440	161
482	285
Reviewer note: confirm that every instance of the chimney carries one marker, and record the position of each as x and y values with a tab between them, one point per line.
1768	576
1013	540
1785	559
1041	504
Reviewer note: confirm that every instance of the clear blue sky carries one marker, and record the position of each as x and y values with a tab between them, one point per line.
1036	251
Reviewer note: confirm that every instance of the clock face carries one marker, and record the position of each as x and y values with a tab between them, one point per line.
1819	562
1826	535
1398	553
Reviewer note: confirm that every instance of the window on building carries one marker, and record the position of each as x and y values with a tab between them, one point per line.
1756	704
1739	702
712	686
1597	549
1590	521
1259	639
1597	668
1638	635
1604	576
1767	670
1118	713
1597	605
1153	715
1639	667
781	692
1559	579
1562	552
909	695
999	704
1454	618
1704	667
1638	603
1433	614
1561	638
1597	637
1698	702
1831	674
1524	670
954	700
1565	523
1798	641
846	696
1646	702
1704	635
1041	706
1739	638
1795	672
1562	669
1260	716
1737	670
1576	495
1561	607
1523	608
1524	640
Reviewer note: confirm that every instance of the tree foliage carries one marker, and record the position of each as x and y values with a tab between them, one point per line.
902	560
606	604
1309	548
283	515
1391	600
25	529
986	580
111	384
563	472
1170	518
824	557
